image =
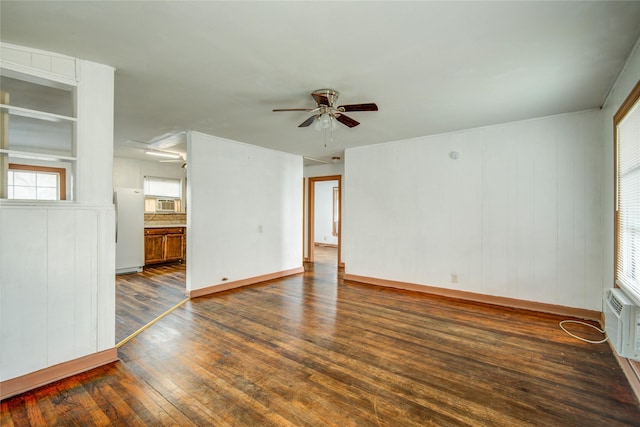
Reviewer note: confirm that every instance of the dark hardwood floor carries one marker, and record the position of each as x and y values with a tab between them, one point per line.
310	350
325	256
141	297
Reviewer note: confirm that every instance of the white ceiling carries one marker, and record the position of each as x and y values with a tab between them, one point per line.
432	67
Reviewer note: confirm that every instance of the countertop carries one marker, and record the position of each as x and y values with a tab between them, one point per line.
167	225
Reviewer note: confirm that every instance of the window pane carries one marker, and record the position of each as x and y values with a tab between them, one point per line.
47	180
47	193
24	178
24	192
162	187
39	183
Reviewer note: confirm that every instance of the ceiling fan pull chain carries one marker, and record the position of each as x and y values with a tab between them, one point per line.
331	125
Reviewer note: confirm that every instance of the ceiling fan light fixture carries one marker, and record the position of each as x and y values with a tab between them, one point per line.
325	121
165	154
317	125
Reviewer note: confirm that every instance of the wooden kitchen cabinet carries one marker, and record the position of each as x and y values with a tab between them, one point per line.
153	248
163	245
174	247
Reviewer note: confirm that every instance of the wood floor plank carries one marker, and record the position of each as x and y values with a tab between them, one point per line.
163	413
141	297
181	395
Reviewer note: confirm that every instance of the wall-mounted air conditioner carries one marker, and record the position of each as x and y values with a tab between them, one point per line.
165	205
622	323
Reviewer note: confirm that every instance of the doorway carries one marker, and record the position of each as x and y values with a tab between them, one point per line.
151	275
324	216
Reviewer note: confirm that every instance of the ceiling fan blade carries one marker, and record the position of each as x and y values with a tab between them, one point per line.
168	140
313	159
348	121
292	109
308	121
359	107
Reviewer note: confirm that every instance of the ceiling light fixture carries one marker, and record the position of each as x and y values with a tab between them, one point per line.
325	121
164	154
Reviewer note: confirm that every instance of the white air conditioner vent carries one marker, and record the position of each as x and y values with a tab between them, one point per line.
622	323
616	303
165	205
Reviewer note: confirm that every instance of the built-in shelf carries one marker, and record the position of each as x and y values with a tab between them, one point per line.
37	156
35	114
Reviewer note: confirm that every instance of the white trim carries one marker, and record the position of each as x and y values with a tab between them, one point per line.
34	72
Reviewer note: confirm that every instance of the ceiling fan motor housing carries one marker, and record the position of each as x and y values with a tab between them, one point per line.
325	96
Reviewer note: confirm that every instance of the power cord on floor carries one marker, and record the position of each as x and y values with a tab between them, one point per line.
580	338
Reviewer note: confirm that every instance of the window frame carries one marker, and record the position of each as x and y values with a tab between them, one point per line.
632	100
62	176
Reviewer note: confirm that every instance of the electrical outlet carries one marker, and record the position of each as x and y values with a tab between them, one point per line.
454	278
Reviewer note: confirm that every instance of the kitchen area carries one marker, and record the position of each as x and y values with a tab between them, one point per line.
150	202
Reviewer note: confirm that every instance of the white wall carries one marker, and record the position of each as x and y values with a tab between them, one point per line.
518	214
57	260
95	133
57	295
130	173
324	170
627	79
245	215
323	212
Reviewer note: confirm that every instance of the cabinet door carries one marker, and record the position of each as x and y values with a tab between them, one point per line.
153	248
174	247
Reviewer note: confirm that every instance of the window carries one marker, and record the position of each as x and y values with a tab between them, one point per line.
162	187
627	208
162	194
29	182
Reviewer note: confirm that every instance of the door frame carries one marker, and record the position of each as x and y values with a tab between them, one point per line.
311	215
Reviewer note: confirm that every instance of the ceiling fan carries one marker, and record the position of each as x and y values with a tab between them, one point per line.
326	112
